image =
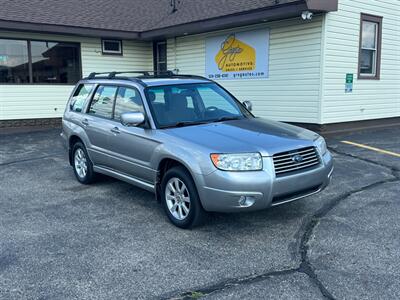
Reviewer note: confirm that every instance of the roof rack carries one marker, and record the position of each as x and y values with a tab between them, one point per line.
112	75
142	75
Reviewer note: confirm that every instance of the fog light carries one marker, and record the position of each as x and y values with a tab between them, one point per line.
246	201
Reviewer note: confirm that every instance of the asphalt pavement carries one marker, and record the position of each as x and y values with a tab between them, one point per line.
109	240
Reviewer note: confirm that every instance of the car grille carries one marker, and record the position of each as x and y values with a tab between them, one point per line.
295	160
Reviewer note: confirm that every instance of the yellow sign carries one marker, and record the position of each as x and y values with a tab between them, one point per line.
235	56
238	55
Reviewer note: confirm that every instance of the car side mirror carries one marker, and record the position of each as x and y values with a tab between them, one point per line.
248	105
133	119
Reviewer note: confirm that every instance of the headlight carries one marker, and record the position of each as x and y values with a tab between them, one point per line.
237	162
321	145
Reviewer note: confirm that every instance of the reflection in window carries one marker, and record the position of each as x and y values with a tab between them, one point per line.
212	97
102	103
368	44
26	61
14	62
55	62
79	98
128	100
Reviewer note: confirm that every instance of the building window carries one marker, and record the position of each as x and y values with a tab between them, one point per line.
370	47
14	61
113	47
160	56
54	62
26	61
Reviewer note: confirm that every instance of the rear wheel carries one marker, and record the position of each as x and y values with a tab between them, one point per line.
83	167
180	198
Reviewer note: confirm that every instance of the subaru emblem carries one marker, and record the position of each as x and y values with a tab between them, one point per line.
297	158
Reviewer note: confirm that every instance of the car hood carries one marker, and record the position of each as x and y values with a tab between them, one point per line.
246	135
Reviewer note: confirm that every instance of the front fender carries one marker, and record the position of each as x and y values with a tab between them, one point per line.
195	161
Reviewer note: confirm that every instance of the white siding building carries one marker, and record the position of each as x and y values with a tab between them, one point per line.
308	61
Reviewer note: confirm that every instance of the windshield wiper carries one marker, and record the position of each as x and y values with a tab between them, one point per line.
183	124
228	118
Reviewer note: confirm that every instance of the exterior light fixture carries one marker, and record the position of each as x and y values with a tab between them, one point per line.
306	15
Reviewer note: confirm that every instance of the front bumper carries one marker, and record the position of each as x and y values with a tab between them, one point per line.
222	191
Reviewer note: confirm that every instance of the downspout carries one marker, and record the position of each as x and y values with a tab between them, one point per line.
322	69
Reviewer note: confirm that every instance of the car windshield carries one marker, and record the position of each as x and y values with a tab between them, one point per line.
191	104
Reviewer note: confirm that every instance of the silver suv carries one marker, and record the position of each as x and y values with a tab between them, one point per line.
191	142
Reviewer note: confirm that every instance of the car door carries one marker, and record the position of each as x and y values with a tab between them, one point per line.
98	124
132	146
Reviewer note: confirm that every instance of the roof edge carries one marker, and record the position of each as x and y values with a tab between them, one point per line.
67	30
267	14
322	6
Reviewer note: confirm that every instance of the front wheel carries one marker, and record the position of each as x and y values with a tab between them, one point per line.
83	167
180	198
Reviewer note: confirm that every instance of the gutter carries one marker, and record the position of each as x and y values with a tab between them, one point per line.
67	30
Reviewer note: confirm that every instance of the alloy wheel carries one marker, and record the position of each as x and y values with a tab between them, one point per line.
177	198
80	163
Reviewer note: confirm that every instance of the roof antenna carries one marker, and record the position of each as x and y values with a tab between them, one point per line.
174	5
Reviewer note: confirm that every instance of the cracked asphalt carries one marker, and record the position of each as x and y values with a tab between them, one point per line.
110	240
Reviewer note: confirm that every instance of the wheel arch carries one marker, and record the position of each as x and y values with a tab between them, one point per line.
164	165
73	139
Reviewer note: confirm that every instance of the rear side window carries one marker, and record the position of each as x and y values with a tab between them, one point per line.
79	98
103	102
128	100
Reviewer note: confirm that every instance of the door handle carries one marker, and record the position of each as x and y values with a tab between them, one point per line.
115	130
85	122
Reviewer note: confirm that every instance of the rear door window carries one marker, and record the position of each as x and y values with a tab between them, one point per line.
79	98
103	102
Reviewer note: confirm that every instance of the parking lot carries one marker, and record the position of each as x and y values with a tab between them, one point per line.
61	240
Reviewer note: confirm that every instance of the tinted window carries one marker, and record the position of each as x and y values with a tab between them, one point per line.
128	100
50	62
103	101
14	62
80	96
55	62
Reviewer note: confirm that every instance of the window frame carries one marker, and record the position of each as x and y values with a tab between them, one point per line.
156	61
30	68
110	52
378	20
89	100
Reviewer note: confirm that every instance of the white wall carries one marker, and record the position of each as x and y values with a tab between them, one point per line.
291	93
370	99
48	101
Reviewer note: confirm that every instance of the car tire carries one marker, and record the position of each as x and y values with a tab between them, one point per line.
82	165
183	206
